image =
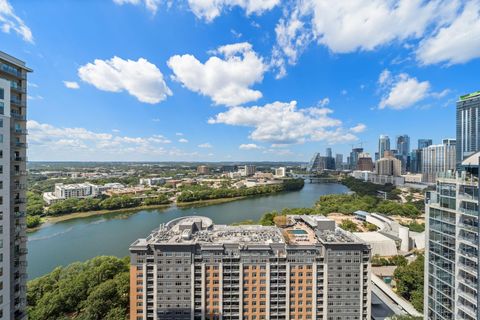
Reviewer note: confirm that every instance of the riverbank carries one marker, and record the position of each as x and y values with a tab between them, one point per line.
87	214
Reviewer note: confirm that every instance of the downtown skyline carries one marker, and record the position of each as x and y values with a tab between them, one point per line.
237	81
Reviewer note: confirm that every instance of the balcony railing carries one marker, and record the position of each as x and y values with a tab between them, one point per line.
11	70
21	131
19	144
17	102
18	116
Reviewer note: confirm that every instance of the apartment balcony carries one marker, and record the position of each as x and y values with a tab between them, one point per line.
18	116
18	102
19	187
5	68
19	173
19	159
21	131
18	89
19	200
468	212
17	144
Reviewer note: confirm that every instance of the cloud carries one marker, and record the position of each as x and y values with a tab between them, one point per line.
284	123
71	84
151	5
361	25
402	91
459	42
179	134
205	145
358	128
57	143
226	80
183	140
140	78
37	97
10	21
324	102
249	146
210	9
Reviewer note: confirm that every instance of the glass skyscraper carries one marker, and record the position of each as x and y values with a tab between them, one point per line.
468	126
451	251
423	143
383	145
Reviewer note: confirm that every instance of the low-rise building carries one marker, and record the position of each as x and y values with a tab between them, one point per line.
66	191
153	181
304	268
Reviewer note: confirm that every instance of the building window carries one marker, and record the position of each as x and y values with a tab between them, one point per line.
2	108
2	94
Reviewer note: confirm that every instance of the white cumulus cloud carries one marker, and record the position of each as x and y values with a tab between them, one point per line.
358	128
205	145
48	142
71	84
140	78
402	91
249	146
210	9
226	79
10	21
459	42
284	123
151	5
183	140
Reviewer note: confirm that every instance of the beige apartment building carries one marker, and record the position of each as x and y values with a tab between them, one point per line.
303	268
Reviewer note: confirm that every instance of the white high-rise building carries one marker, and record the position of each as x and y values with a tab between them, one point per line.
438	158
13	143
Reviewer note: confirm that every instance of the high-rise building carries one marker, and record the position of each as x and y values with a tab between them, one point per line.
329	153
203	170
13	140
280	172
452	284
438	158
383	145
249	170
354	157
303	268
320	163
403	150
423	143
414	164
339	161
365	162
468	126
389	165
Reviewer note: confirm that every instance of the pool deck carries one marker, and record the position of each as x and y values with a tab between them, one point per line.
308	237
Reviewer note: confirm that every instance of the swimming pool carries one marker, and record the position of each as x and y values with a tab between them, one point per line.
297	231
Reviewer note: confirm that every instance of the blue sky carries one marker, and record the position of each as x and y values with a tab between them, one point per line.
216	80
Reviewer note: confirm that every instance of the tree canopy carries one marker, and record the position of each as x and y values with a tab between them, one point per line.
91	290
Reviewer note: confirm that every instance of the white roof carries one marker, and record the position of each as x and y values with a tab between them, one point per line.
381	245
472	160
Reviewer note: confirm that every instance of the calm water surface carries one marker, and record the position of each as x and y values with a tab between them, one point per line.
111	234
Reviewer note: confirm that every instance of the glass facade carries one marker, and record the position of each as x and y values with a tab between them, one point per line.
451	267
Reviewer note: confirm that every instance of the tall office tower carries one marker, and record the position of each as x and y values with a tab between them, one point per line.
383	145
354	157
403	149
364	162
250	170
468	126
303	268
389	165
415	161
438	158
313	165
329	153
423	143
13	110
339	161
452	249
403	145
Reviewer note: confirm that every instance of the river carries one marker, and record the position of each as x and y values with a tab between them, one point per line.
111	234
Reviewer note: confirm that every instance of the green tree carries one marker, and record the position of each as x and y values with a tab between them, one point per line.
409	279
90	290
349	225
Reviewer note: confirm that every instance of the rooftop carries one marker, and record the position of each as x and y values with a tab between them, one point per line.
298	230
